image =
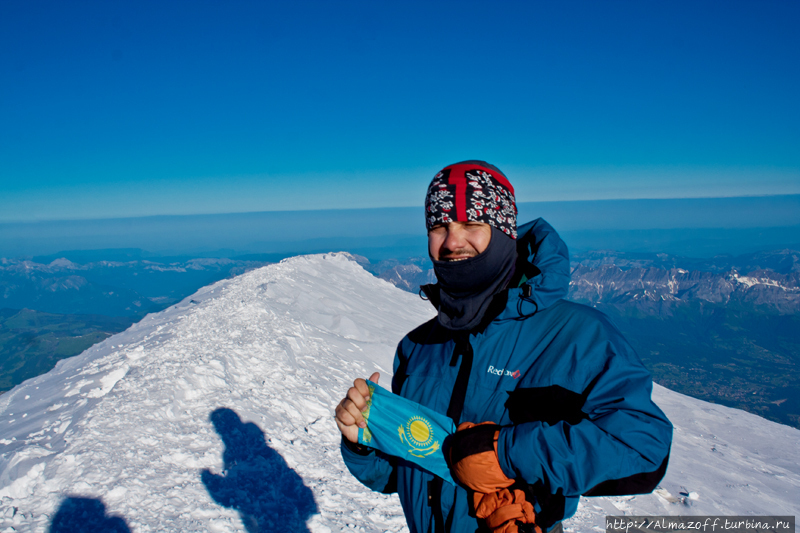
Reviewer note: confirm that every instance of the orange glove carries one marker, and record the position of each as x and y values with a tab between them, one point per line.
505	510
472	455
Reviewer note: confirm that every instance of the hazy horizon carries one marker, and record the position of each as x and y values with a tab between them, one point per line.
670	225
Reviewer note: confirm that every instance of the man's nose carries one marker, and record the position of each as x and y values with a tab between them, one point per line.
455	238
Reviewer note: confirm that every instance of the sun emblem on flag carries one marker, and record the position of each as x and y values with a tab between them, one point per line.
417	433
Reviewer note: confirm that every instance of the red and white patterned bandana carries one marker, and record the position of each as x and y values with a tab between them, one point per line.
472	191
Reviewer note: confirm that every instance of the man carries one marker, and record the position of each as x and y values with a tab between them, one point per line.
562	400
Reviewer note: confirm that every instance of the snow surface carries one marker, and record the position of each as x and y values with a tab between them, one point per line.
216	415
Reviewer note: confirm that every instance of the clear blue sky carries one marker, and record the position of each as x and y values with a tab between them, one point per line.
111	109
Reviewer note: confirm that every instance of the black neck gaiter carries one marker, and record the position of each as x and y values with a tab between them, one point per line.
466	288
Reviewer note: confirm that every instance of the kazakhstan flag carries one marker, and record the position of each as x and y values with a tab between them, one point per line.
405	429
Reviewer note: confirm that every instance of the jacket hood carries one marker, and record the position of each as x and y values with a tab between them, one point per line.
542	265
541	275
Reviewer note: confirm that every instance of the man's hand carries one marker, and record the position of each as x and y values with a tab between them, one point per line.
349	415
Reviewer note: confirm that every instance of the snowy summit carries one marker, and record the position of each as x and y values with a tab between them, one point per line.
216	415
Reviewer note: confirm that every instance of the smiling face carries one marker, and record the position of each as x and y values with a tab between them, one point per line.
457	241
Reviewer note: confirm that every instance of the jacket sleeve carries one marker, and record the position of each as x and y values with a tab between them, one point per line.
376	470
620	445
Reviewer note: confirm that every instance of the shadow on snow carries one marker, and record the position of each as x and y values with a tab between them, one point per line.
86	515
256	481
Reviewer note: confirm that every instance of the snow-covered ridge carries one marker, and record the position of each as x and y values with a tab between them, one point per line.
128	420
751	281
217	412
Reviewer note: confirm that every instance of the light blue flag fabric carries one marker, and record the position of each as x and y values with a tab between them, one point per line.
406	429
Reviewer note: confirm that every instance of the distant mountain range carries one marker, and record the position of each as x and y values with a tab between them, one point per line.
656	283
127	287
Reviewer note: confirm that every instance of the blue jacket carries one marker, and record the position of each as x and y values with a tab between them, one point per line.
571	395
